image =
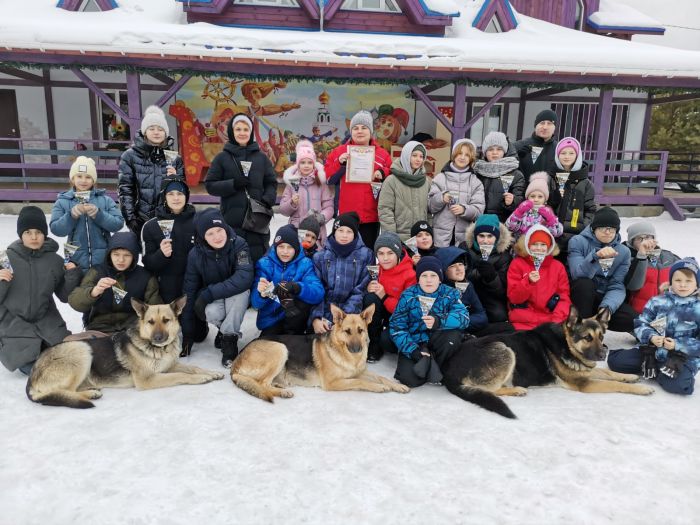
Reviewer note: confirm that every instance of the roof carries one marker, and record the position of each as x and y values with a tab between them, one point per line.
156	34
613	15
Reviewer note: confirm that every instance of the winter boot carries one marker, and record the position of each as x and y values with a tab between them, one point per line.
229	349
374	352
217	340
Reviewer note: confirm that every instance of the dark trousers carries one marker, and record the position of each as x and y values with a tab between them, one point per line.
503	327
587	301
380	319
442	344
630	362
294	322
369	231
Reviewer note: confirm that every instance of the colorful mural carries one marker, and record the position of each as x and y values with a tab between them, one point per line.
282	114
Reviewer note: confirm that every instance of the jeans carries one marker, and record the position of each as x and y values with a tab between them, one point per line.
227	314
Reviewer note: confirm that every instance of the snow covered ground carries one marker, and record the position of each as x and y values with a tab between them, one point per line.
213	454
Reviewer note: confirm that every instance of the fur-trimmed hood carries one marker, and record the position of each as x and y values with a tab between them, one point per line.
293	171
521	244
505	238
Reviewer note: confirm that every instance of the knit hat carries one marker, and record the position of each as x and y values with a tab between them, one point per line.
569	142
362	117
487	223
539	236
687	263
31	218
605	217
495	138
84	165
421	226
207	219
176	184
154	116
287	234
461	142
305	150
539	181
546	114
640	228
310	224
429	264
450	255
350	219
389	240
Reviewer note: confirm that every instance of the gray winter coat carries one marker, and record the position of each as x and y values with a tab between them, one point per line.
400	205
28	313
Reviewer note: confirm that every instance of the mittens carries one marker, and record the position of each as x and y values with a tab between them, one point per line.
523	208
648	361
548	215
674	363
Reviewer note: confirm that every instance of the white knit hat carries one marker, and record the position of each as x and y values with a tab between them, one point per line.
154	116
84	165
495	138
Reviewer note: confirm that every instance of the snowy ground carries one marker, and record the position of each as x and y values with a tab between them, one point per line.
212	454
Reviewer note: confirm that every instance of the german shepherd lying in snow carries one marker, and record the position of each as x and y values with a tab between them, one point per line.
334	361
145	356
563	354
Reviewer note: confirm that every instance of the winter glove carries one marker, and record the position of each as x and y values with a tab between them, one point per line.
292	287
434	374
523	208
674	363
648	361
548	215
199	305
421	362
486	270
240	181
187	343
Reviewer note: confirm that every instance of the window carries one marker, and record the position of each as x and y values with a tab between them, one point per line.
494	26
387	6
89	6
487	123
270	3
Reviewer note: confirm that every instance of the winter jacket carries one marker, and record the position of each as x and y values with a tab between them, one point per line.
406	326
90	235
583	264
446	224
490	176
401	205
579	194
544	162
528	302
520	225
682	324
215	274
300	270
492	293
28	313
344	279
355	196
314	197
396	280
169	271
104	313
141	169
644	279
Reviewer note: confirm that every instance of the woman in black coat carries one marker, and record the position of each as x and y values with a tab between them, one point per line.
241	167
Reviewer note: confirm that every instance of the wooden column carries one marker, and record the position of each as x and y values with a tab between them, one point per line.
602	132
647	123
133	93
50	116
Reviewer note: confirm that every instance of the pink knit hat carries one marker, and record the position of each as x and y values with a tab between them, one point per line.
539	181
305	150
568	142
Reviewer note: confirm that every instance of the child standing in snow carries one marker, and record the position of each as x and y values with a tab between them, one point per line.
533	209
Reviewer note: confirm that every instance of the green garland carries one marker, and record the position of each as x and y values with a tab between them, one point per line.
411	81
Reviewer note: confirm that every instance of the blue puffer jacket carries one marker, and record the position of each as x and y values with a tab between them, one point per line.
583	263
682	324
215	274
92	235
345	279
300	270
408	330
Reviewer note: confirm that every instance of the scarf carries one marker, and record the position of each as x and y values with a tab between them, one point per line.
455	169
412	180
342	250
493	170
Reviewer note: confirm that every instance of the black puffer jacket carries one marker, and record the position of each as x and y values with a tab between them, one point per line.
545	162
141	169
579	194
493	191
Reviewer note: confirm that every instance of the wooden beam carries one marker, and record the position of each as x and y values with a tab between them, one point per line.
459	112
172	90
165	79
50	115
133	92
13	71
487	107
418	92
647	123
544	93
675	98
602	132
521	114
99	93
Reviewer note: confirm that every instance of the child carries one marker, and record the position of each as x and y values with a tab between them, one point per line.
501	198
108	310
312	228
533	210
423	233
342	268
142	168
403	199
295	286
538	287
578	199
455	264
86	223
488	242
427	334
33	273
396	273
218	279
456	195
306	191
669	332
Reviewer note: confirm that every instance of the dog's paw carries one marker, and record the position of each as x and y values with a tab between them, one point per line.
401	389
286	393
93	393
519	391
630	378
643	390
216	376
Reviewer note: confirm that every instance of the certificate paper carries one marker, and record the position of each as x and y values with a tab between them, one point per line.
360	164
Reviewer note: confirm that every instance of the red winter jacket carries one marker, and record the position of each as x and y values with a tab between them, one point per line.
534	296
396	280
357	196
652	281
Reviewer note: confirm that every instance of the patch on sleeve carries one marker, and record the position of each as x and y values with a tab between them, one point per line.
242	258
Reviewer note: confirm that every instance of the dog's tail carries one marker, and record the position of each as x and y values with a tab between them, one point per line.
58	398
480	397
253	387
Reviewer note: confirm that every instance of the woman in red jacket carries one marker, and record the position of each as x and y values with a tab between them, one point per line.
538	287
358	196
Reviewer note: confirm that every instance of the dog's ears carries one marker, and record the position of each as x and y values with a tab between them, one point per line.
139	307
338	314
573	317
368	313
178	305
603	317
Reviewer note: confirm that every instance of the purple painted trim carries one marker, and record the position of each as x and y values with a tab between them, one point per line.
418	92
602	131
205	6
501	9
647	122
100	94
50	113
74	5
629	29
545	93
311	8
331	8
133	93
34	79
172	90
498	96
460	110
418	13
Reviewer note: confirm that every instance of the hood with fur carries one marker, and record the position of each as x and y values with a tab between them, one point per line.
505	238
293	171
521	245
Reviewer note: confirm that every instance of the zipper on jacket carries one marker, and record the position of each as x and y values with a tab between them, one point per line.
87	234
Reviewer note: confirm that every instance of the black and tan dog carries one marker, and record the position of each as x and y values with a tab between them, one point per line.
144	356
562	354
334	361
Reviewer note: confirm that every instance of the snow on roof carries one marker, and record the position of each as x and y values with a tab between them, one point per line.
159	27
612	14
440	7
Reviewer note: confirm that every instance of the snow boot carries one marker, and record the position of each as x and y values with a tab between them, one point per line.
229	349
217	340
